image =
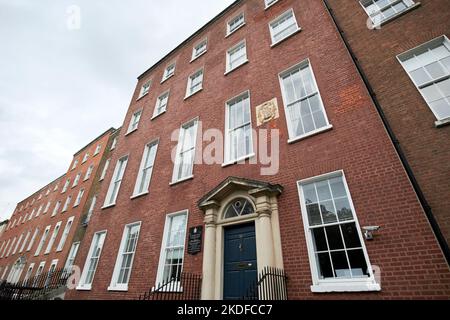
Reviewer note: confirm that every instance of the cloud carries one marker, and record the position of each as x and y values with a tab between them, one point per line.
60	88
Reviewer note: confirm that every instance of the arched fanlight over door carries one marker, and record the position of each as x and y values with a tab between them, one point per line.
238	207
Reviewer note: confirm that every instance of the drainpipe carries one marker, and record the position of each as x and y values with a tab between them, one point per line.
434	225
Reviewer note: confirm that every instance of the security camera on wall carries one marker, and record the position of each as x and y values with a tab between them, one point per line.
368	231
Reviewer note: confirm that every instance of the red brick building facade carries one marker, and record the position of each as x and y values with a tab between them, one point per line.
419	122
42	228
280	66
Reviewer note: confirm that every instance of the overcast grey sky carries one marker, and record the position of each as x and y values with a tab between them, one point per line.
61	87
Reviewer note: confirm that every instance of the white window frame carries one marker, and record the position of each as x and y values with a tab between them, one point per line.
105	169
191	77
86	157
38	274
75	163
82	285
162	257
228	67
156	113
79	198
6	248
42	242
66	186
72	256
334	285
227	159
24	243
97	149
177	163
33	238
114	286
276	20
91	209
18	243
37	213
89	171
56	208
65	235
145	89
166	74
53	238
269	3
76	180
136	115
113	144
410	4
401	58
66	204
292	137
140	176
236	17
28	273
47	207
200	43
13	242
31	215
116	179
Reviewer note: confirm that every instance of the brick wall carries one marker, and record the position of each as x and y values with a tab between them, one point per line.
411	119
406	250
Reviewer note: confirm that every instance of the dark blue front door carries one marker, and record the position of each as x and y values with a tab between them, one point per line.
240	269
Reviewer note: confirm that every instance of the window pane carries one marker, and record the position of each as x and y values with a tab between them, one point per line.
420	76
351	236
340	265
319	239
431	93
334	238
328	214
310	194
441	108
343	209
358	263
435	70
324	265
314	215
323	190
338	188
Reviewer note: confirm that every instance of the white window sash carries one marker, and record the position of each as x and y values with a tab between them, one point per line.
98	241
105	169
146	168
53	238
336	284
182	150
116	181
35	234
42	242
164	246
65	235
114	285
292	134
273	24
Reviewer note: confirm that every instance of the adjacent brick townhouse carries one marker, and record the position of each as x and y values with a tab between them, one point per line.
403	49
270	75
40	235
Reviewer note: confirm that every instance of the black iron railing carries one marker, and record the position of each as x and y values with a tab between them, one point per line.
185	287
36	288
270	285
